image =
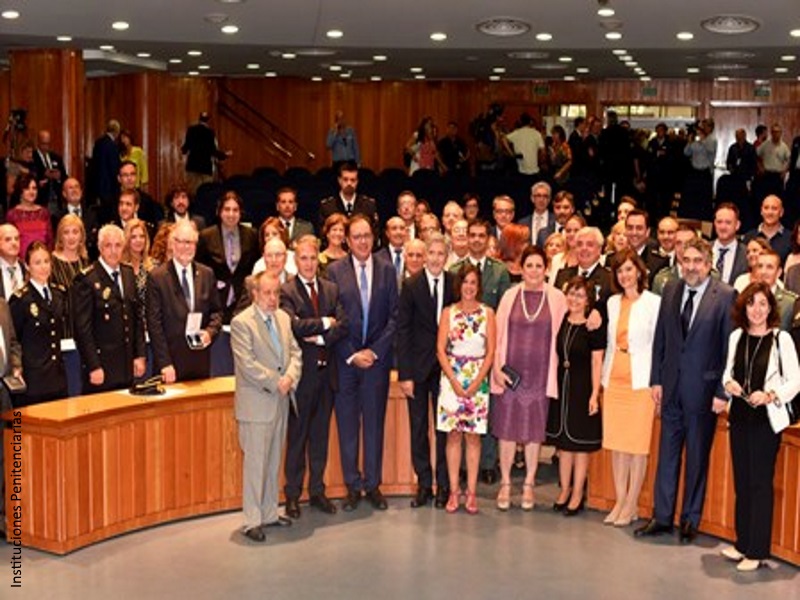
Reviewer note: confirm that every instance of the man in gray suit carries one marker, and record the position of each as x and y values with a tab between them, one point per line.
286	205
10	364
267	364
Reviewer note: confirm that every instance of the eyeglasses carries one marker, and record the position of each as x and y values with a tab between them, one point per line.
362	237
185	242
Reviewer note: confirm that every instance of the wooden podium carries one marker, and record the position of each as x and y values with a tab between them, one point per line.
97	466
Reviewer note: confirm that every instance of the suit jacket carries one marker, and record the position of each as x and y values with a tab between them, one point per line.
104	169
300	228
200	146
600	278
690	370
199	221
166	319
13	354
109	332
382	322
296	301
786	300
494	280
51	188
417	329
363	205
91	223
24	272
739	262
258	365
652	260
528	222
211	252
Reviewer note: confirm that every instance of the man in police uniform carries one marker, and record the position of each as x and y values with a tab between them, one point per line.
108	328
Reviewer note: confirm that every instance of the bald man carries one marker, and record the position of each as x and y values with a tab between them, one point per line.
50	171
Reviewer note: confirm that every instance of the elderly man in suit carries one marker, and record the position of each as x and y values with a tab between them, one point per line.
422	299
542	217
12	270
50	172
180	291
73	204
689	354
107	323
768	270
267	364
286	205
10	364
368	291
230	249
729	254
318	322
589	247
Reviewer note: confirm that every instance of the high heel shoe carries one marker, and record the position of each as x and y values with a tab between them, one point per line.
528	500
504	497
453	501
625	520
613	516
559	506
571	512
471	504
747	565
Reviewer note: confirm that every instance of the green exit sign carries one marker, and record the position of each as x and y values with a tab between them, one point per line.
762	91
541	90
649	92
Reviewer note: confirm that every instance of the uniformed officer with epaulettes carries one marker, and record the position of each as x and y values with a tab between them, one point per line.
108	328
38	310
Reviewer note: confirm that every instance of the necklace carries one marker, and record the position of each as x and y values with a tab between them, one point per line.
569	339
749	361
528	317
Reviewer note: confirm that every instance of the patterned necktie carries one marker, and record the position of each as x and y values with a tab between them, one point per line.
12	274
686	313
231	254
187	293
273	334
721	260
364	288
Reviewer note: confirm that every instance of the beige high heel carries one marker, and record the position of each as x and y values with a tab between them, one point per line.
504	497
528	500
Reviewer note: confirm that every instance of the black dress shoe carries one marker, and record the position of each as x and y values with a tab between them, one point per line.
572	512
350	503
279	522
422	497
322	502
651	529
688	532
560	506
442	495
489	476
292	508
377	499
255	534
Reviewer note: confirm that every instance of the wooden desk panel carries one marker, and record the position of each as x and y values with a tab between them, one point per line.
97	466
718	510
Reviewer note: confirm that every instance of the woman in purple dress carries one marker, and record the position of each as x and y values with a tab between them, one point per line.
528	318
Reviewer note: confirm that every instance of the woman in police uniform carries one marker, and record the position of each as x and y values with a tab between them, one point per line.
39	310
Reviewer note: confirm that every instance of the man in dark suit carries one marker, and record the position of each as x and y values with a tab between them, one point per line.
589	247
109	331
178	203
50	172
104	167
318	322
231	250
393	250
542	216
729	255
148	210
347	201
200	148
768	270
73	204
10	364
637	230
177	291
421	301
13	273
563	209
689	354
286	204
368	291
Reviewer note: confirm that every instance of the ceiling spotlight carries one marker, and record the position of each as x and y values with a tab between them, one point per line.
194	53
335	68
215	18
503	27
781	70
544	36
120	25
788	57
644	78
613	35
10	14
582	70
639	71
619	52
380	58
253	66
494	77
624	57
270	74
335	34
565	59
143	54
723	78
605	12
685	36
795	33
175	61
375	78
193	73
204	67
631	63
498	70
416	69
316	78
229	29
64	38
569	78
289	55
345	75
419	76
438	36
107	48
692	70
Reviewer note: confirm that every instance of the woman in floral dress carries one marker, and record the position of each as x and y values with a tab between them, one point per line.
465	349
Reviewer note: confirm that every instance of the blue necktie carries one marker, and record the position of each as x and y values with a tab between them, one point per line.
276	341
364	286
187	294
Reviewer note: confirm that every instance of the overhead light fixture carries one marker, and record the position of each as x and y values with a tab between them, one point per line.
619	52
569	78
730	24
229	29
380	58
503	27
193	73
335	68
605	12
419	76
10	14
582	70
194	53
345	75
375	78
175	61
416	69
644	78
684	36
498	70
120	25
723	78
270	74
527	55
613	35
494	77
289	55
781	70
788	57
565	59
544	36
335	34
107	48
438	36
316	78
640	71
215	18
631	63
143	54
624	57
63	38
203	67
692	70
795	33
253	66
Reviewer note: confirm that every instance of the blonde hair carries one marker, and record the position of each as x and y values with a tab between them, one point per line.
145	259
71	221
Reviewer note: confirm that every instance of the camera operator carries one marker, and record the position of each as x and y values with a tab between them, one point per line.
701	149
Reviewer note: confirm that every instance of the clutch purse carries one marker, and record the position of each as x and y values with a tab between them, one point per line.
14	385
148	387
513	377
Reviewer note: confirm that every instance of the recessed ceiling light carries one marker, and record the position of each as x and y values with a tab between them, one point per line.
582	70
416	69
380	58
544	36
375	78
692	70
644	78
120	25
624	57
143	54
788	57
631	63
215	18
605	12
335	68
253	66
316	78
781	70
565	59
270	74
730	24
289	55
498	69
438	36
569	78
335	34
309	52
494	77
229	29
419	76
107	48
619	52
345	75
639	71
795	33
503	27
685	36
723	78
613	35
193	73
64	38
10	14
527	55
204	67
194	53
175	61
